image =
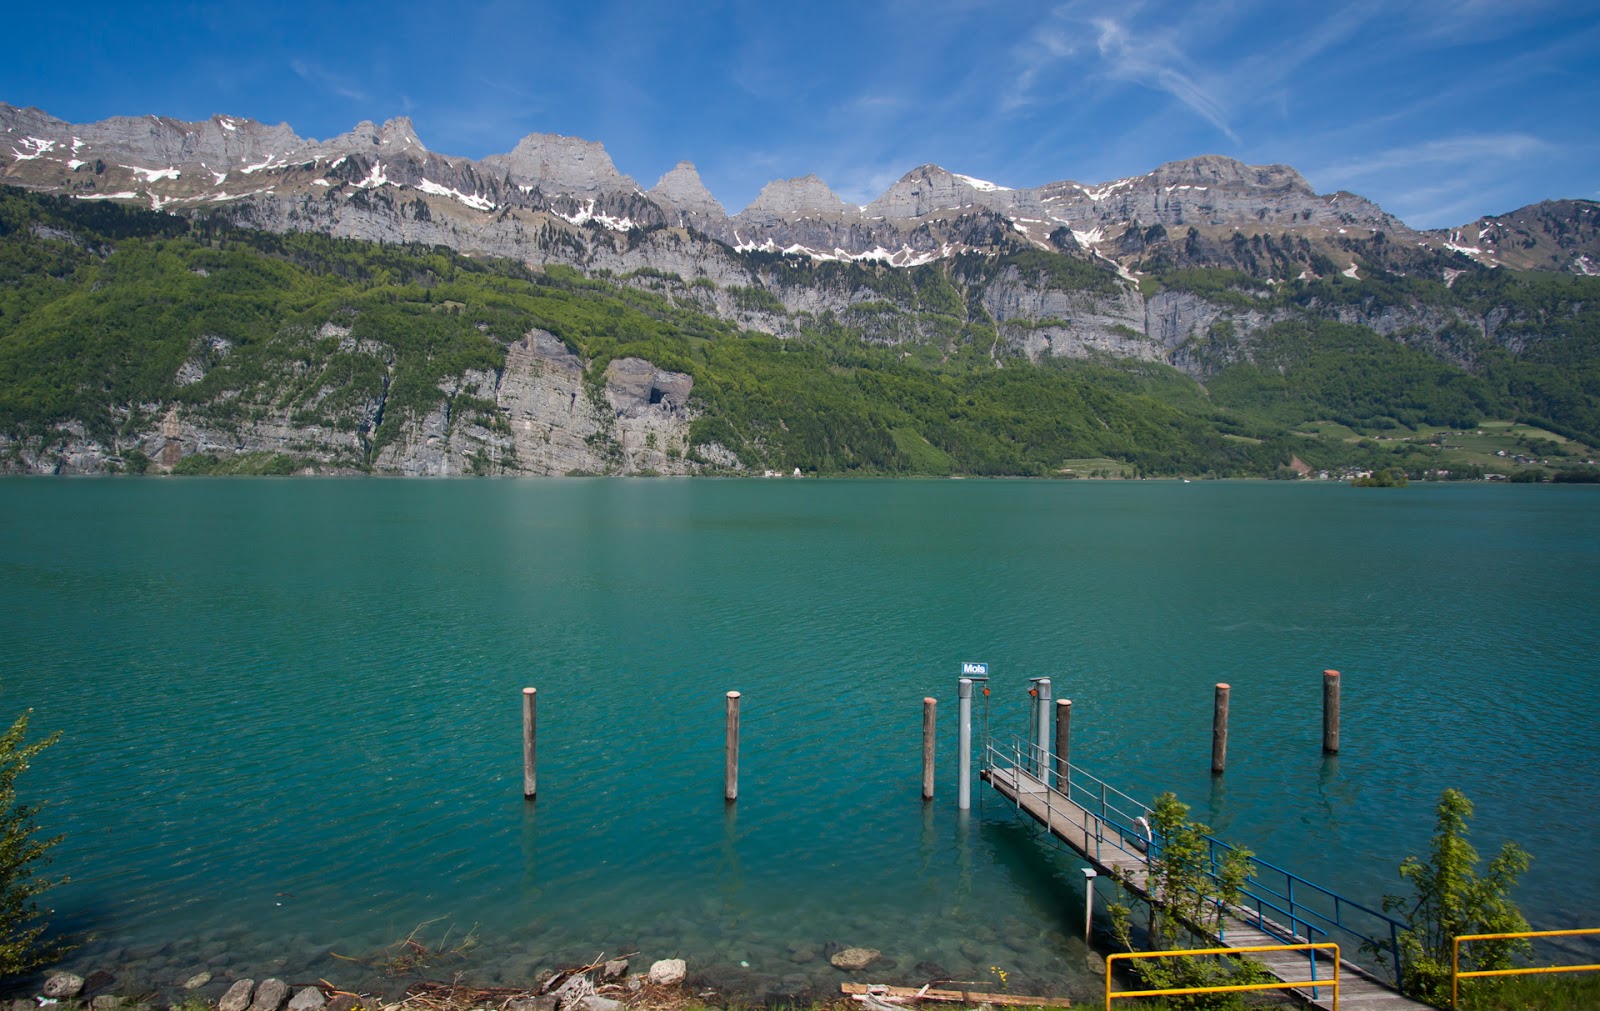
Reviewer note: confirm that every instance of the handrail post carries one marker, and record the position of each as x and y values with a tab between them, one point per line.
1455	968
964	745
1394	948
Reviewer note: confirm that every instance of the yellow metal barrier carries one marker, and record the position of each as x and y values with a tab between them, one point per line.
1231	988
1456	975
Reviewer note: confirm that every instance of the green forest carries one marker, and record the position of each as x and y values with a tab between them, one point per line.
101	307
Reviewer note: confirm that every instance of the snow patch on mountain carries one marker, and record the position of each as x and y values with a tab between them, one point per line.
151	175
269	164
1100	193
586	214
375	178
982	185
471	200
36	145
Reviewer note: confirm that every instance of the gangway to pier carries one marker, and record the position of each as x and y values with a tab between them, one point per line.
1111	830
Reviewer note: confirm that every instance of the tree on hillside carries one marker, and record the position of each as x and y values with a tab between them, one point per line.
23	945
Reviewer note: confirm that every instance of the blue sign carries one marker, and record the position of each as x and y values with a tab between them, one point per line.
981	669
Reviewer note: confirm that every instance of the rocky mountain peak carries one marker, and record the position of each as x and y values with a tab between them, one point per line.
787	198
928	189
400	133
1217	170
681	190
559	164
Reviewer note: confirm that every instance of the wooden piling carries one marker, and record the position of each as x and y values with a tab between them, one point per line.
730	773
1219	730
530	778
928	706
1063	740
1330	712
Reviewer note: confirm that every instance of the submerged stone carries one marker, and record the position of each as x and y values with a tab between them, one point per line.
63	985
852	959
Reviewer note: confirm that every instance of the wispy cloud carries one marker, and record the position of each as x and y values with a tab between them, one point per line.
1442	182
1113	48
1157	63
1462	152
313	74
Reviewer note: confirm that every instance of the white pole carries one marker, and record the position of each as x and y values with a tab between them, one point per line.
964	746
1043	710
1089	874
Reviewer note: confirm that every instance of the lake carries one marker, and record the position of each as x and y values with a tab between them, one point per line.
291	708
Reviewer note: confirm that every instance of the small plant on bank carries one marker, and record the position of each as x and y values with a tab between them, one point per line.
23	946
1000	975
1449	899
1188	897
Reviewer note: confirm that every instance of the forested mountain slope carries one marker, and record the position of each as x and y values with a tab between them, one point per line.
143	341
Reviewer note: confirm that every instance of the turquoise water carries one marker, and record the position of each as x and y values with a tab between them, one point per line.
292	727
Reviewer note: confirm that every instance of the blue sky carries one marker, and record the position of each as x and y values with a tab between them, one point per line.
1440	111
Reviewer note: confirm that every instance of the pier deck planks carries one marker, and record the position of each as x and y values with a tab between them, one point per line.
1084	832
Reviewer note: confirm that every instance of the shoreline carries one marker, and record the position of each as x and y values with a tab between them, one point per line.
612	984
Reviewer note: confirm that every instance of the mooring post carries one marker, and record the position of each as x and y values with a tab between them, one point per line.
530	778
1219	731
1063	745
1043	716
928	705
1330	712
730	772
1089	874
964	745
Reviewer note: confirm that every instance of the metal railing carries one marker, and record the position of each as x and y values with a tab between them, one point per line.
1311	949
1272	887
1456	975
1105	807
1308	910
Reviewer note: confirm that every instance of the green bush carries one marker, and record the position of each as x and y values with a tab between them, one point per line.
1449	899
23	944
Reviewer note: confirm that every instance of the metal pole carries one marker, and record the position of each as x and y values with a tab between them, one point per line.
730	772
928	705
1330	712
1063	746
530	778
964	745
1219	731
1089	874
1033	727
1043	716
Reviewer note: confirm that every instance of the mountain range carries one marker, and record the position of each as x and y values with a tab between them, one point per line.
1197	265
271	176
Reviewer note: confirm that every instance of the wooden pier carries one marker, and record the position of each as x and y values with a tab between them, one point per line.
1111	853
